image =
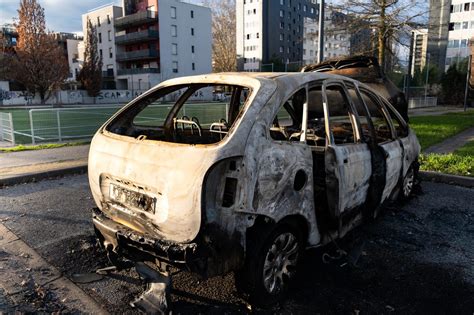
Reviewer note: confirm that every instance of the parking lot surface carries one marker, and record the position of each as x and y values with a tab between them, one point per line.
416	258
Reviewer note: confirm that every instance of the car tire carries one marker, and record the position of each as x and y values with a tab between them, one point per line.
407	185
270	266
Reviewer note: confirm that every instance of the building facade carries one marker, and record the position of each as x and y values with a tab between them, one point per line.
103	19
418	50
161	39
438	32
460	31
271	32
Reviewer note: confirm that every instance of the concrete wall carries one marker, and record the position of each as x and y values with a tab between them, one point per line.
8	98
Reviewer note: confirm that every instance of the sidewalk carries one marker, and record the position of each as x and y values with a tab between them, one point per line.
434	110
23	166
452	144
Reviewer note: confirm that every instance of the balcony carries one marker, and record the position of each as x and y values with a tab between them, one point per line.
137	55
137	71
139	18
136	37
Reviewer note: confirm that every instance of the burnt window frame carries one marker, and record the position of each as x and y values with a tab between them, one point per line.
379	102
292	114
353	116
130	111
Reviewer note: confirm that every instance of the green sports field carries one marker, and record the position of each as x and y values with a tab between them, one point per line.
67	124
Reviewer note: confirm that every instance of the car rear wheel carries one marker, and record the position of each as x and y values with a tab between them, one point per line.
270	267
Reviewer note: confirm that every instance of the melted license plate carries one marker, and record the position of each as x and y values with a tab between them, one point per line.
132	199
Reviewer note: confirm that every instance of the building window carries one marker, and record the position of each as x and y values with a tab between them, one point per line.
174	49
109	35
98	21
173	12
111	55
282	25
174	30
281	49
192	14
282	13
100	53
192	49
175	67
282	36
466	6
192	31
108	19
258	35
248	36
254	11
304	8
282	2
465	25
100	38
193	66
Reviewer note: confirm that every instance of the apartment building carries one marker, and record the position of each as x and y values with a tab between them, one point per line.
271	32
161	39
103	19
418	50
461	30
339	40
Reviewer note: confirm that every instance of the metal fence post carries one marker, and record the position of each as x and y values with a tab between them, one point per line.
31	126
59	125
10	116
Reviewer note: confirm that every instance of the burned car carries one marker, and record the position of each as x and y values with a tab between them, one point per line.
289	161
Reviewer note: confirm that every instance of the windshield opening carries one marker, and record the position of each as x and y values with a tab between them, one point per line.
191	113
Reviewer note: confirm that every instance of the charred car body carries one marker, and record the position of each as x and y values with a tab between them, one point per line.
290	161
367	70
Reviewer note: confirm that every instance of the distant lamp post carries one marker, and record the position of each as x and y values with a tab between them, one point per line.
139	87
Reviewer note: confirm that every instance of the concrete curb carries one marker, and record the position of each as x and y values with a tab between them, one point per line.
26	178
447	179
25	269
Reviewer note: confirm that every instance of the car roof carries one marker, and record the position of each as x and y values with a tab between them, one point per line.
255	78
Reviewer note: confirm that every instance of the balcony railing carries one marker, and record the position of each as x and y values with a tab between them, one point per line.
137	55
138	18
137	71
142	36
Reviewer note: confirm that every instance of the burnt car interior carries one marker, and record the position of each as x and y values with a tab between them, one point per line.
182	114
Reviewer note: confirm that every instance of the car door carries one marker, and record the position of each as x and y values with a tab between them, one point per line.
386	139
347	158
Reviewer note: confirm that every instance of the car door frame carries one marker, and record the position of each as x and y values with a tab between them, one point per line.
348	167
393	149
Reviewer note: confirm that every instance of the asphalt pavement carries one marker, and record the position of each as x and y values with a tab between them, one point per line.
414	259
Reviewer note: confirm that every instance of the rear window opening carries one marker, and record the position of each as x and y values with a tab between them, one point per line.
191	114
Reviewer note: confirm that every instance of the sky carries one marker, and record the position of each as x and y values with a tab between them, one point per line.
61	15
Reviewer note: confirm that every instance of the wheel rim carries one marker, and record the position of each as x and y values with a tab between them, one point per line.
408	183
280	263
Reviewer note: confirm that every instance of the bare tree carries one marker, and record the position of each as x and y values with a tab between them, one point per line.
39	63
390	22
223	35
91	72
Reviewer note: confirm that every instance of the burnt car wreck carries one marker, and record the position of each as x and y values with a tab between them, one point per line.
287	162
